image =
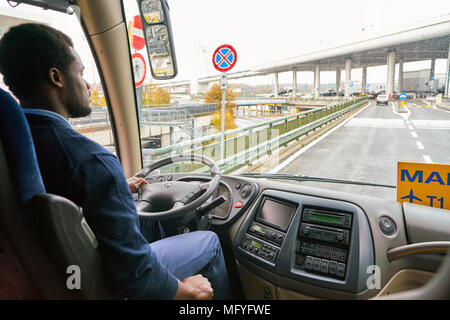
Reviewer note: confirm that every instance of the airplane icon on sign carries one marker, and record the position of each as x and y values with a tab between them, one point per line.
411	197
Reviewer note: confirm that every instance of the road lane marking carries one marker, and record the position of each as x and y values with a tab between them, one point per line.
376	123
299	152
404	115
414	134
420	145
410	127
427	158
432	124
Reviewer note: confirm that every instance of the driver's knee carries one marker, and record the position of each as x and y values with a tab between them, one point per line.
210	237
211	240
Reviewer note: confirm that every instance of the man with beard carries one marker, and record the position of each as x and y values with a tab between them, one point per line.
42	69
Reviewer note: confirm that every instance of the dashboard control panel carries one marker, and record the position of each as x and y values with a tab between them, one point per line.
259	248
323	242
266	233
294	239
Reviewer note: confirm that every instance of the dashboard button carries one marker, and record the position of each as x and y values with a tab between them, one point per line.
304	249
324	266
332	268
316	264
334	253
246	190
300	260
318	250
237	186
342	255
326	251
340	270
387	226
309	263
238	204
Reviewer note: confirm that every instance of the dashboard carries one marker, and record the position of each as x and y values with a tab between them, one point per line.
290	241
323	242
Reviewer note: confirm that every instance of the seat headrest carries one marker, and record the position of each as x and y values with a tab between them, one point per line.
15	135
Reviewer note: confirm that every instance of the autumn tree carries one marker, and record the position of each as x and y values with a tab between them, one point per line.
214	95
153	95
160	96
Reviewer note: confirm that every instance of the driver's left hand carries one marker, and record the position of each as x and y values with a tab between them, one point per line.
135	183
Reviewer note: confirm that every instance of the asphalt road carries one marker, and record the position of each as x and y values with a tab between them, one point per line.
368	146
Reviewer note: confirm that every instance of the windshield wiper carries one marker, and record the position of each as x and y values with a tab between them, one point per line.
301	178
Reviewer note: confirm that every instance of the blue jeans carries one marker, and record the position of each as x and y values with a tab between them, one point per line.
194	253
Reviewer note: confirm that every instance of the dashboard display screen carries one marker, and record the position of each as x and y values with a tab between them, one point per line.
256	244
276	213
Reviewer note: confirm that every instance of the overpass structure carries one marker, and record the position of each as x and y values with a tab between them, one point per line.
425	40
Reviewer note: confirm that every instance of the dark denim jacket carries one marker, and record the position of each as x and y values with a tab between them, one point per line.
83	171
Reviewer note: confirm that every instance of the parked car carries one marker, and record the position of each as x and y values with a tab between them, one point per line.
382	99
151	143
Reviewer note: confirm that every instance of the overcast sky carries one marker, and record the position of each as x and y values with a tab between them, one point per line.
264	31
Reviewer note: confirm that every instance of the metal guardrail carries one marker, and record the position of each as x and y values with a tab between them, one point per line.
253	102
245	145
313	100
178	113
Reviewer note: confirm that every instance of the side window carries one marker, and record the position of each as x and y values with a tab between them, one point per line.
97	125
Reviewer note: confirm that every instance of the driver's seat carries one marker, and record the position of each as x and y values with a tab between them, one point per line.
47	232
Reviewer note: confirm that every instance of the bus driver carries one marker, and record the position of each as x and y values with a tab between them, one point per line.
42	69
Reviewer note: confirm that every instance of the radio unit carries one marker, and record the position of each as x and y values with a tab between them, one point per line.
331	235
323	242
259	248
343	220
266	233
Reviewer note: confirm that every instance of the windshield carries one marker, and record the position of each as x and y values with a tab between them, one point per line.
316	89
305	95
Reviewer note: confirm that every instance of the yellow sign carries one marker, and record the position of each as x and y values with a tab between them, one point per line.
425	184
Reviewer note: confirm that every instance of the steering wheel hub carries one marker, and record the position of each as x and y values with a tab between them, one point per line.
172	200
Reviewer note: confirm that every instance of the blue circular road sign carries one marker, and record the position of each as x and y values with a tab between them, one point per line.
403	96
224	58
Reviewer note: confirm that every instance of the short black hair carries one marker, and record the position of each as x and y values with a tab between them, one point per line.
27	53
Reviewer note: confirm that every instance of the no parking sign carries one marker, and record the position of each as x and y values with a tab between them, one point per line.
224	58
139	68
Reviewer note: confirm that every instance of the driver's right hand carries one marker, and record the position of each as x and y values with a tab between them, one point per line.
194	288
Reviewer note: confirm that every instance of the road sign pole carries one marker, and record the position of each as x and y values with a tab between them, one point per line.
139	102
223	59
223	85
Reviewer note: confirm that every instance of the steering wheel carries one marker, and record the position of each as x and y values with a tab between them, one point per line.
174	199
